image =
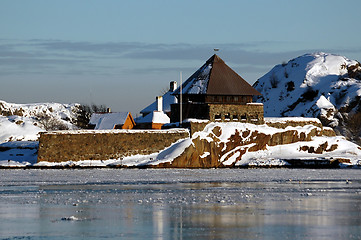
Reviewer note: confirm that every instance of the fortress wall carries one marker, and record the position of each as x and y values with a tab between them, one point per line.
283	122
60	146
248	113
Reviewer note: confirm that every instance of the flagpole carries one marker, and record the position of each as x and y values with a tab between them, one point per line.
180	101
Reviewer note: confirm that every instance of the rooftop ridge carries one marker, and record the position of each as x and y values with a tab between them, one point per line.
215	77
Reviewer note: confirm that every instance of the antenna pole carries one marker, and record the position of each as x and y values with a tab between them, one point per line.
180	101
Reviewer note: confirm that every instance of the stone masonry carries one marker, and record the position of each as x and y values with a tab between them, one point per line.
250	113
61	146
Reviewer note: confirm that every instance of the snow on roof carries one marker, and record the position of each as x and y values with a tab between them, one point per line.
108	120
154	117
168	99
215	77
199	83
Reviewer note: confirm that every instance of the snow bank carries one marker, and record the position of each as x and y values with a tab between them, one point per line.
16	128
345	150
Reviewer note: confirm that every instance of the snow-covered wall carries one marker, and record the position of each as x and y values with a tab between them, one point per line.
62	146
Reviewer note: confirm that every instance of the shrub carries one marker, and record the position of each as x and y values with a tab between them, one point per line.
310	94
290	86
49	123
286	74
85	112
274	80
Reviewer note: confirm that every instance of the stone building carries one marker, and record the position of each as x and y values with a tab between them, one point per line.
217	93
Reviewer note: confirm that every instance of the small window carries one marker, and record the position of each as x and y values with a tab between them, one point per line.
254	118
235	117
217	117
243	118
235	99
227	117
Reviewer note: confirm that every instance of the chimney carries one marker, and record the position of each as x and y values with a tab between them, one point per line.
159	103
173	86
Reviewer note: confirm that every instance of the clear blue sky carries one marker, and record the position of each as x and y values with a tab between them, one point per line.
124	53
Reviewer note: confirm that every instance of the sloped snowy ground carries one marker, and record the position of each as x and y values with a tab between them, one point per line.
17	128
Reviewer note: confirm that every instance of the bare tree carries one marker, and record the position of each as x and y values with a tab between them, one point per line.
85	112
49	123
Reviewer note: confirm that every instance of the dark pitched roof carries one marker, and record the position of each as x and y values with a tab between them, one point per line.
216	78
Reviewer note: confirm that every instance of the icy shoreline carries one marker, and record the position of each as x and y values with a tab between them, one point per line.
312	163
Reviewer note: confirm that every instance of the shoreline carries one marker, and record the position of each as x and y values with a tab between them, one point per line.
290	163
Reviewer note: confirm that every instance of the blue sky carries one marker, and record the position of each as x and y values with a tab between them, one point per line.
124	53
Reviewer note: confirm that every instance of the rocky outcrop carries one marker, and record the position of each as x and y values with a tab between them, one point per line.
224	144
320	85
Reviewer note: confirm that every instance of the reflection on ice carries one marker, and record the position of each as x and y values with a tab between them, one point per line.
180	204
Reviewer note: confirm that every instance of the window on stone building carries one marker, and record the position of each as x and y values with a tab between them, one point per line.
227	117
235	117
254	118
244	117
217	117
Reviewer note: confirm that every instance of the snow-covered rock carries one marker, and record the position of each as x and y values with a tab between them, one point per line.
312	85
23	122
242	144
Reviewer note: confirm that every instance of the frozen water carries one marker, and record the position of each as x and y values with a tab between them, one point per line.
180	204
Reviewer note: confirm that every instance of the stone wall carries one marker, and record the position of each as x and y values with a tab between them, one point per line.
250	113
60	146
283	122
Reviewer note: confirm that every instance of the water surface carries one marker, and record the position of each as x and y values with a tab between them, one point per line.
180	204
